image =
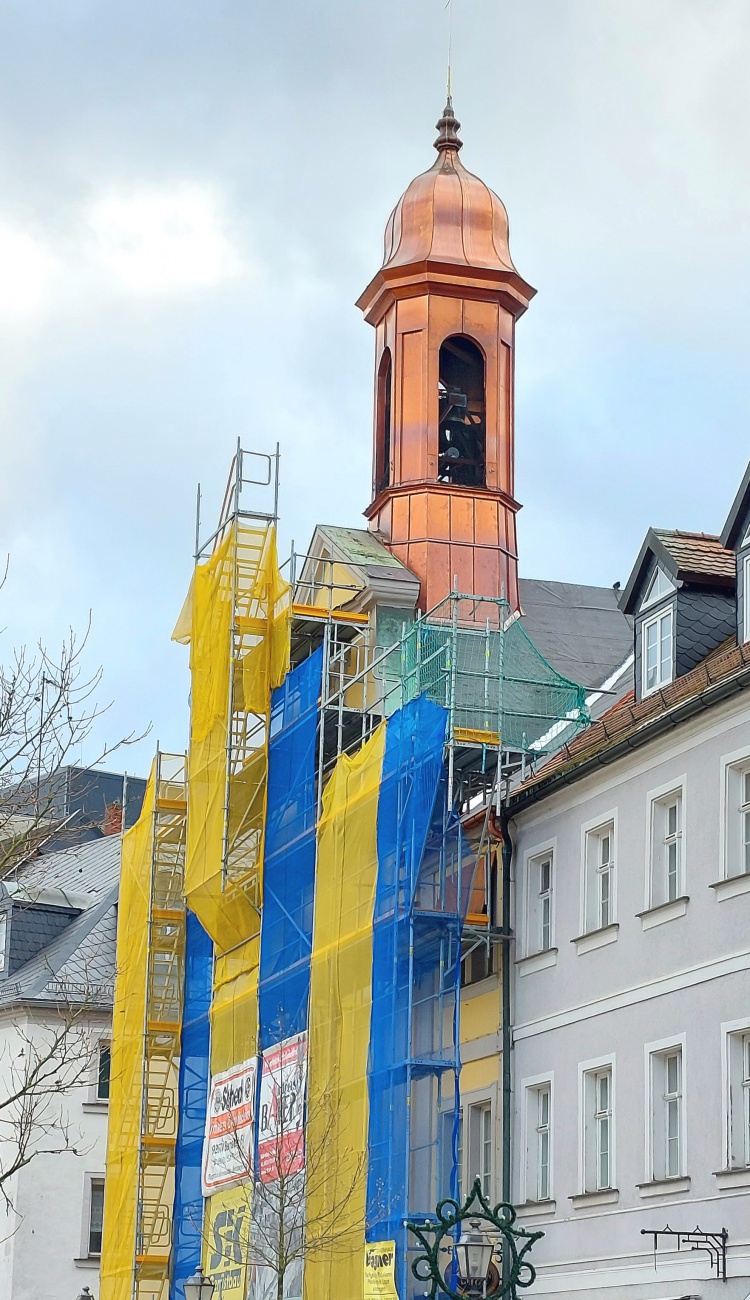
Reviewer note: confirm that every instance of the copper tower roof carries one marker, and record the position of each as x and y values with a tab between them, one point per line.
447	214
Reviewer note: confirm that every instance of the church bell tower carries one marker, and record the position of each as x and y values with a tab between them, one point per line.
444	306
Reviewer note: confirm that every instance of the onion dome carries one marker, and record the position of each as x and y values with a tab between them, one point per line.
448	215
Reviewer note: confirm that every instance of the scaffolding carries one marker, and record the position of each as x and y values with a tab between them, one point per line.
454	703
162	1027
147	1022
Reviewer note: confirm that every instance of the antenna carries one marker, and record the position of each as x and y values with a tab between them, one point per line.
449	7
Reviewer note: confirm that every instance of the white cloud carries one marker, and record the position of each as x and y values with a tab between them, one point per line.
26	270
160	241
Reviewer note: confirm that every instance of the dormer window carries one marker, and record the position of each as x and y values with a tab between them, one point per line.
660	585
746	592
658	658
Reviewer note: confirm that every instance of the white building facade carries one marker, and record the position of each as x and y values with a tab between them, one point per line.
61	908
631	978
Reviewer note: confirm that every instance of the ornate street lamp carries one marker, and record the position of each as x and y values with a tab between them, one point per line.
199	1287
470	1269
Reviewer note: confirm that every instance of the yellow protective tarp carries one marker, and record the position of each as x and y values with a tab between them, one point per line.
339	1024
237	621
126	1086
234	1007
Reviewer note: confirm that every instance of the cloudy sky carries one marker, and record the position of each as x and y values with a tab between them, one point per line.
192	196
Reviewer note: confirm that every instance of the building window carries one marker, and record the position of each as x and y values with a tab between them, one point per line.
667	875
600	877
383	443
538	1166
597	1129
738	1099
667	1114
657	651
460	1156
746	598
475	1148
539	906
462	416
104	1067
3	942
660	585
543	1144
96	1216
737	827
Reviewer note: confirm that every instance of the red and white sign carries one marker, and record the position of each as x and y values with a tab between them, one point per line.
230	1127
281	1113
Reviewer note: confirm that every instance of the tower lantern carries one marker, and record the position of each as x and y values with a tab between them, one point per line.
444	306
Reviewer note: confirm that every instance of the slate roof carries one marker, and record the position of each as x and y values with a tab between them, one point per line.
78	964
631	723
580	630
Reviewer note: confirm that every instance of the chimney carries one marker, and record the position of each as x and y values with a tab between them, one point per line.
112	824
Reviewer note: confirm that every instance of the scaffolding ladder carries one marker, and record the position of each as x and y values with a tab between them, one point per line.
161	1031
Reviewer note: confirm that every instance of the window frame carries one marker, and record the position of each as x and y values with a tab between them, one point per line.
534	857
596	829
104	1044
650	600
655	620
477	1105
660	1052
589	1072
5	920
531	1091
657	799
731	1030
745	596
734	764
90	1181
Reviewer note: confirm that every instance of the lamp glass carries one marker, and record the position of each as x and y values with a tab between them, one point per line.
199	1287
473	1255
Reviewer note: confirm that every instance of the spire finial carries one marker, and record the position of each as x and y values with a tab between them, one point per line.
449	127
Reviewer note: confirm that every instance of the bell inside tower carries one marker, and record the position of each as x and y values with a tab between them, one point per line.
462	414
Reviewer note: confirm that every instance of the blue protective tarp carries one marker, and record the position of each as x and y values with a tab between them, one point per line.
193	1096
416	960
289	855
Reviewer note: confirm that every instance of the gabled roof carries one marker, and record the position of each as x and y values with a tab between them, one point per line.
78	965
738	513
631	723
381	576
699	558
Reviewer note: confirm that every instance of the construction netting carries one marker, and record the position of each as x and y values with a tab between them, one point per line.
127	1060
498	688
192	1097
236	619
339	1023
424	880
289	870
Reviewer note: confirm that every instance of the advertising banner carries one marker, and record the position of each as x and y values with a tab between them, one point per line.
281	1113
380	1270
230	1127
226	1249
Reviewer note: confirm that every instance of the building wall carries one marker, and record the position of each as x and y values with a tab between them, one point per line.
43	1254
684	976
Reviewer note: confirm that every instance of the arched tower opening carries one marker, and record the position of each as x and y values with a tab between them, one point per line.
462	433
383	437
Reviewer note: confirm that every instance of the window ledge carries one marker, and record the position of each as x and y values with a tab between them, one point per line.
95	1107
663	912
535	1209
664	1186
537	961
732	1177
606	1196
88	1261
596	938
731	886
